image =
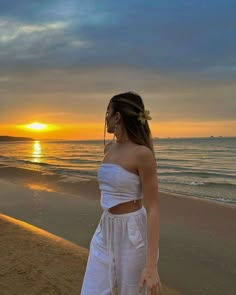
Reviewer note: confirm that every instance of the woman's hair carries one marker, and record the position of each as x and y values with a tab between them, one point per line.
129	105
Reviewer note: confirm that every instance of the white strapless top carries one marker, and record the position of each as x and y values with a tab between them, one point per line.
117	185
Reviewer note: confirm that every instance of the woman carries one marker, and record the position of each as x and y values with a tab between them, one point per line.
124	249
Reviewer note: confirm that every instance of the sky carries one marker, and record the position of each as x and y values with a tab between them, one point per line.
62	61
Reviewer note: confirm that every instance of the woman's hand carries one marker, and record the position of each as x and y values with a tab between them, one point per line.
151	277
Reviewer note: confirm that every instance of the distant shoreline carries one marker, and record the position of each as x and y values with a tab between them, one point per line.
154	138
12	138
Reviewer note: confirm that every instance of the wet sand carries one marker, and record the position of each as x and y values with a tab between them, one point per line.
197	237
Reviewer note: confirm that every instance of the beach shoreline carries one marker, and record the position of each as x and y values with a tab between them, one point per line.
76	185
48	265
196	236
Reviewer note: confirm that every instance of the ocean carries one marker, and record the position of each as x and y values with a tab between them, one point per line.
203	168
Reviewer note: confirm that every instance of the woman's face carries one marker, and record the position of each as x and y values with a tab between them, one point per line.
110	118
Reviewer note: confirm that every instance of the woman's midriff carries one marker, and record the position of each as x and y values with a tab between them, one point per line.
127	207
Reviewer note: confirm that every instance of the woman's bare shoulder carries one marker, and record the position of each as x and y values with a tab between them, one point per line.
140	148
108	146
143	153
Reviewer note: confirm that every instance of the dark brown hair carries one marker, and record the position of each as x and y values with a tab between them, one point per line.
129	105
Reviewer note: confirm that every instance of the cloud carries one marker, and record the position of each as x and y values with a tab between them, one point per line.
33	43
170	97
163	35
57	55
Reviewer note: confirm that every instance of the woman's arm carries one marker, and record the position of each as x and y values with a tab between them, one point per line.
148	175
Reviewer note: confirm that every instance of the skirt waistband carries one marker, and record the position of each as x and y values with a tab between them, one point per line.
134	213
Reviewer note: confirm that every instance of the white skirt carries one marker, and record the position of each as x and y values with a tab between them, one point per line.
117	255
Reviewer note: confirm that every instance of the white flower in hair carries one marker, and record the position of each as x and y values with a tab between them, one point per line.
144	116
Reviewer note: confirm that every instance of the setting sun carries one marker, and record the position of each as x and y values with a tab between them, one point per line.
36	126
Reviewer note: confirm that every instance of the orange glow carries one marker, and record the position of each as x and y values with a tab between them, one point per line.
38	127
86	131
193	129
39	187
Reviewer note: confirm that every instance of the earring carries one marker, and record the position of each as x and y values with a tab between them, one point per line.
114	133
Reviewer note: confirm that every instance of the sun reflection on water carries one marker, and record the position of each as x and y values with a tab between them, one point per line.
37	152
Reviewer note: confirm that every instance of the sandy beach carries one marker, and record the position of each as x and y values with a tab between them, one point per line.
44	243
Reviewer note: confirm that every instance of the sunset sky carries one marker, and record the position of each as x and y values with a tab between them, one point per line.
62	61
